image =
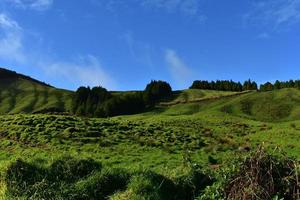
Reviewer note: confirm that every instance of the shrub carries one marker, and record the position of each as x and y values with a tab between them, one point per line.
69	169
263	176
149	185
28	181
246	107
193	183
101	185
24	179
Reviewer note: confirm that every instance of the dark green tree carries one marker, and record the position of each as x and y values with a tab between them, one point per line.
266	87
155	91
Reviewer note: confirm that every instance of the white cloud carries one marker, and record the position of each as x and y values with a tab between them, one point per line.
6	22
11	47
187	7
263	35
178	69
39	5
86	71
140	51
274	14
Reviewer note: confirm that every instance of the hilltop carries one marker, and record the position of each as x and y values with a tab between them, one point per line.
23	94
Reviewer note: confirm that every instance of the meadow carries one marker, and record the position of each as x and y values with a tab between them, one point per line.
182	149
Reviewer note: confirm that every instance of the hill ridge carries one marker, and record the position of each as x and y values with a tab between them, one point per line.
7	74
22	94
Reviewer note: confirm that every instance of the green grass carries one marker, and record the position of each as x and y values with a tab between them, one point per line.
272	106
25	96
195	95
207	128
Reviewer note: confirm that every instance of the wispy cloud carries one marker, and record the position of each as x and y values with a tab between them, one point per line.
85	70
39	5
180	72
263	35
11	47
186	7
274	14
140	51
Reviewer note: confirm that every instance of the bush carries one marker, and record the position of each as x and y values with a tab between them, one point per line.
101	185
193	183
25	180
70	169
263	176
246	107
149	185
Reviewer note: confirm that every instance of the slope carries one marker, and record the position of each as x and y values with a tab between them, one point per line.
22	94
271	106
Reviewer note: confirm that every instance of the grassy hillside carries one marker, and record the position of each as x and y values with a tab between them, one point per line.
21	94
158	145
272	106
178	148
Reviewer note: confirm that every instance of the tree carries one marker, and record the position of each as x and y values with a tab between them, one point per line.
79	100
277	85
86	100
267	87
155	91
249	85
223	85
297	84
123	105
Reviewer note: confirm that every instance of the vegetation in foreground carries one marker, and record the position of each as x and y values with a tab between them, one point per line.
193	144
259	176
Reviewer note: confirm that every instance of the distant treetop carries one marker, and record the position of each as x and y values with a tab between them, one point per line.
224	85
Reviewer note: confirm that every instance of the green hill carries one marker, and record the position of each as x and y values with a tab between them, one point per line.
193	136
22	94
271	106
276	105
196	95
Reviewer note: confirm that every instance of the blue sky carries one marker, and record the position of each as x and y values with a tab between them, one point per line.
122	45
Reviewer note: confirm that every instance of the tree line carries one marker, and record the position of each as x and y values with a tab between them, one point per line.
99	102
268	86
224	85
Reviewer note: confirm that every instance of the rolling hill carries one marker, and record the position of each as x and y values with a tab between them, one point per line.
22	94
272	106
193	136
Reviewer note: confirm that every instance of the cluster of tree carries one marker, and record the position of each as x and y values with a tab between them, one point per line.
89	101
155	91
224	85
99	102
249	85
122	104
280	85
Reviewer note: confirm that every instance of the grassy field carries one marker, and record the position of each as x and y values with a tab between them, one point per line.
25	96
154	148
